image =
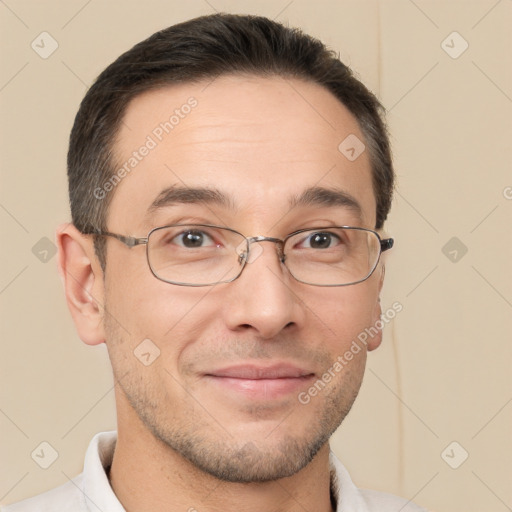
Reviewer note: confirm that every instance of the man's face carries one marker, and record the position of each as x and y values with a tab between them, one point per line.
261	143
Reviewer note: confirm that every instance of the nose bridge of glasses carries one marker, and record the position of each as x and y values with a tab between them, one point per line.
277	241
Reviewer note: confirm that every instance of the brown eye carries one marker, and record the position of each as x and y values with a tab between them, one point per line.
193	239
321	240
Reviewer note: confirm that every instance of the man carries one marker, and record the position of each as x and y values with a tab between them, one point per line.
229	180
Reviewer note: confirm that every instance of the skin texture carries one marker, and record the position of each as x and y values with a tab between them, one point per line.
187	438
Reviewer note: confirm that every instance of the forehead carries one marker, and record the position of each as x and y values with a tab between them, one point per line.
260	141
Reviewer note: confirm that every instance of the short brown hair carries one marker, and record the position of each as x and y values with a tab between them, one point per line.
196	50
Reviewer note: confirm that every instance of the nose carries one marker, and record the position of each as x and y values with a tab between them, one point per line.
261	299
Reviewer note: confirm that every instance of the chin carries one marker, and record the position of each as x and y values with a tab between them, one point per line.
252	461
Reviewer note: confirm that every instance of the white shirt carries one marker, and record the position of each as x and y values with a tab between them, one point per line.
91	492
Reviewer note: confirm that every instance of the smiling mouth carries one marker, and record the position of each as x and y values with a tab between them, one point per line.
259	382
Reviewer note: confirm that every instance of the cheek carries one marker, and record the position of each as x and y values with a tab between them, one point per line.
142	307
138	300
347	311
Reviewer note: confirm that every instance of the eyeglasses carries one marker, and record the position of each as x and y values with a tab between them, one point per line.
205	255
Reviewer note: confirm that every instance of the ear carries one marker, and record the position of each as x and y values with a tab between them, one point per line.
376	340
82	277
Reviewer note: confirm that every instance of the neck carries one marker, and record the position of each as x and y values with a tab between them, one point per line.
147	475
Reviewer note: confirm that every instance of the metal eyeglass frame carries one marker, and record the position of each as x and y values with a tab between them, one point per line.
131	241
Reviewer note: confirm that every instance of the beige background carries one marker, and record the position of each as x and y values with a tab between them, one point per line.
443	373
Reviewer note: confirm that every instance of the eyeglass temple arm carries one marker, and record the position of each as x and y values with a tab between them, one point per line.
386	244
129	241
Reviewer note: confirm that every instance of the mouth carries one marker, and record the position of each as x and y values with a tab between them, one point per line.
261	382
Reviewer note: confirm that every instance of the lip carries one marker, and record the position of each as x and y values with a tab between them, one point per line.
257	372
261	382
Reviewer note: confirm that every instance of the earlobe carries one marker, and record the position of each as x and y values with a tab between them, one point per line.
83	282
376	340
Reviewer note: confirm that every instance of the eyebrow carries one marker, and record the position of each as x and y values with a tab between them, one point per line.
321	196
313	196
189	195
